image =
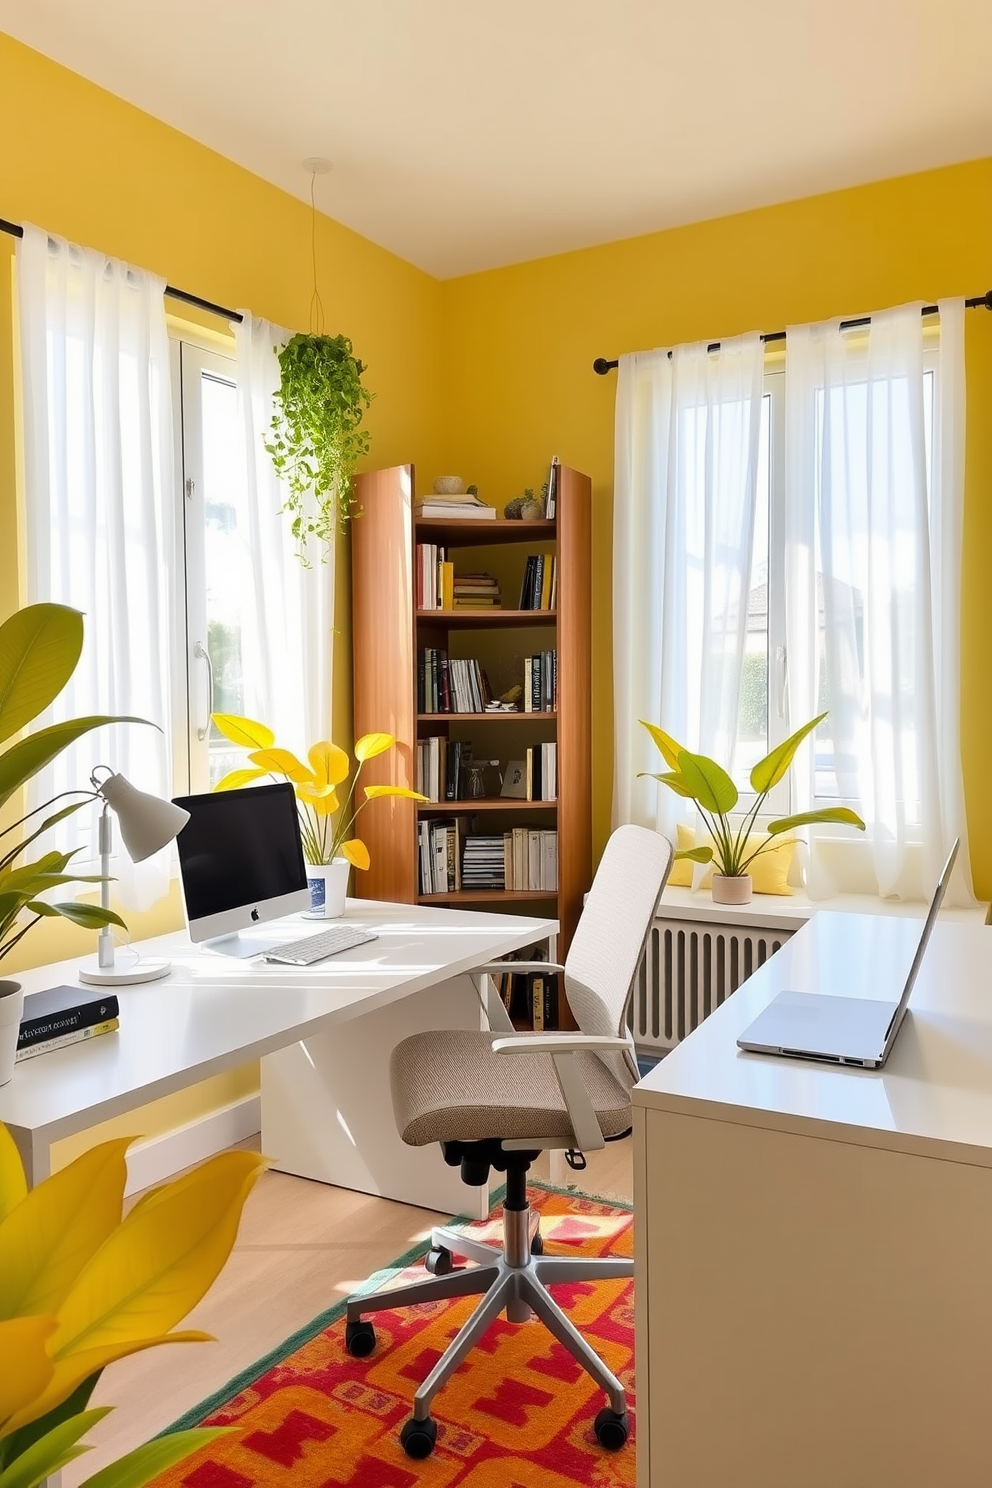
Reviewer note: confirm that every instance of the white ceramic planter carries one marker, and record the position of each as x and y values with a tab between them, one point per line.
731	890
328	889
11	1012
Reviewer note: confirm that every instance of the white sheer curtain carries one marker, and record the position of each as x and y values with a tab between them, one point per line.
286	642
98	461
687	433
873	555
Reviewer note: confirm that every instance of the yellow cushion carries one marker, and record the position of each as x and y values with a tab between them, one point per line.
769	870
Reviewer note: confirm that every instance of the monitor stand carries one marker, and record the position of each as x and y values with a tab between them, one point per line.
242	946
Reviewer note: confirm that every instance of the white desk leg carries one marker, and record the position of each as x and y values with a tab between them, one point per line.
327	1112
35	1152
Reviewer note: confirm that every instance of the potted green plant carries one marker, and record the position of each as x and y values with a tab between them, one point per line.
39	648
702	780
316	440
329	848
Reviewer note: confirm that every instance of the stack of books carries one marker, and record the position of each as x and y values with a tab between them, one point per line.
435	575
531	859
64	1015
478	591
541	682
455	685
483	862
439	767
440	859
454	508
539	588
541	772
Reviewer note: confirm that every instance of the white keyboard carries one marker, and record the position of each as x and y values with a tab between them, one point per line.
318	947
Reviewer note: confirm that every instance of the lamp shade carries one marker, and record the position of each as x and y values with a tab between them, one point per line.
146	822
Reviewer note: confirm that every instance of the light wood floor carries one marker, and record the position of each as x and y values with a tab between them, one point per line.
302	1247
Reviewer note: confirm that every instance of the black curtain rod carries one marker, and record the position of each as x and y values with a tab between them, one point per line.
16	231
601	366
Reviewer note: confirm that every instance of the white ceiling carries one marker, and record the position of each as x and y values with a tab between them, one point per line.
467	134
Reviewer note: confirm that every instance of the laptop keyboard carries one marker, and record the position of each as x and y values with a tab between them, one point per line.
318	947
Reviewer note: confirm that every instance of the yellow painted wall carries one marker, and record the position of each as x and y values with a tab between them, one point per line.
519	344
84	164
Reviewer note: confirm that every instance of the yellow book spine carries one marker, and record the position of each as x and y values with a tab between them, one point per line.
447	585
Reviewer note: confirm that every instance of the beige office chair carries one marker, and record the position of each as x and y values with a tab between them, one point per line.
497	1099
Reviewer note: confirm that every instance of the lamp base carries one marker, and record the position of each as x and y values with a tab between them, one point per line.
121	976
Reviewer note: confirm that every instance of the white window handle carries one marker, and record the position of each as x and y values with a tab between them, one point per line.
202	654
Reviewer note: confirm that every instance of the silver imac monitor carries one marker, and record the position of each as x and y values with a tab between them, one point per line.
241	864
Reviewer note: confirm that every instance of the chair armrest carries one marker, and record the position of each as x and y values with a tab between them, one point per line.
501	966
562	1047
556	1043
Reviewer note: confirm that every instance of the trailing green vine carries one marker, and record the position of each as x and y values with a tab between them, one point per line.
316	439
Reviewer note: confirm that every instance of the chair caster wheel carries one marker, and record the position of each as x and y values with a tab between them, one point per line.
418	1437
439	1261
612	1430
359	1339
537	1244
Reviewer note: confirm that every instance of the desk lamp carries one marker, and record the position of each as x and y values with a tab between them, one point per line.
147	823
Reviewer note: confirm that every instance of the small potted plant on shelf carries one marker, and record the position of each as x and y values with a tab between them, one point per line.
316	441
39	648
330	850
702	780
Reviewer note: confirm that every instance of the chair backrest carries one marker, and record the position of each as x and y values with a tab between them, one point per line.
606	948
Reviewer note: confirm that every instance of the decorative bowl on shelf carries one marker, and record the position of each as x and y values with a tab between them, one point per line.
448	485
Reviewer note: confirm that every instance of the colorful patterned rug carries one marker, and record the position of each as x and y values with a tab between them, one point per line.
517	1414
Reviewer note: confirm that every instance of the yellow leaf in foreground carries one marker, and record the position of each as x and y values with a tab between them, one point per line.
244	731
281	762
13	1184
27	1368
356	852
47	1240
68	1374
161	1260
369	745
330	764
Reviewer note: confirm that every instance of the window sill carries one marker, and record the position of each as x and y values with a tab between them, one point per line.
789	912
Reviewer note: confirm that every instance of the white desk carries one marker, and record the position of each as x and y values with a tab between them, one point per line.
814	1244
324	1035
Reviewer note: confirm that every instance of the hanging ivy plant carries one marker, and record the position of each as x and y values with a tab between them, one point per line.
316	441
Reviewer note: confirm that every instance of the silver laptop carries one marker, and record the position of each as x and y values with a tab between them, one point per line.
840	1030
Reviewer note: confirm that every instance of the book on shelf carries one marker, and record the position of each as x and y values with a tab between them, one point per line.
475	592
450	684
63	1040
539	582
541	682
531	859
456	508
544	1000
551	499
59	1011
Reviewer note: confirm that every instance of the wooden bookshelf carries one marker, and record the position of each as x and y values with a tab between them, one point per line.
389	632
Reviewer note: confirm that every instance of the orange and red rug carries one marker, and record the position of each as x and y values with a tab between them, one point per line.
517	1414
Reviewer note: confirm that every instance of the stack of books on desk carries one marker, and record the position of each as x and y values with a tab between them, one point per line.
62	1016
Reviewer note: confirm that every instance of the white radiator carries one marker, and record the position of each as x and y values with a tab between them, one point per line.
688	968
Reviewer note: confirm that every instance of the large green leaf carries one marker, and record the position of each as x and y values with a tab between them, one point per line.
32	754
708	783
672	779
52	1451
842	814
90	916
39	648
770	770
145	1463
669	749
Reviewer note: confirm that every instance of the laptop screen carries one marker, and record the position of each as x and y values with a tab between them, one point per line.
928	924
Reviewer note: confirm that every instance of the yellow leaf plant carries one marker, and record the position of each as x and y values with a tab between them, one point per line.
81	1285
315	785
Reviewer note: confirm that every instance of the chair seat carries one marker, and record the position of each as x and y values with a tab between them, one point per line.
449	1086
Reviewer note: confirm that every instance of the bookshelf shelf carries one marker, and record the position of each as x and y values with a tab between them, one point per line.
486	896
500	717
472	533
467	805
390	636
469	619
